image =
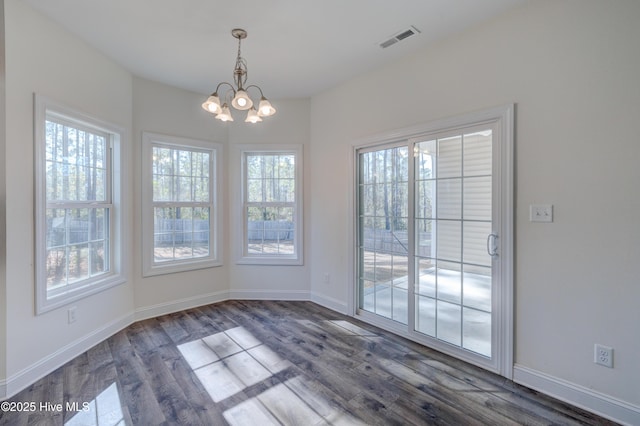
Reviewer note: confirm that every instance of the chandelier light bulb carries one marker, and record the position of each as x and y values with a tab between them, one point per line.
265	109
252	116
212	104
242	101
225	114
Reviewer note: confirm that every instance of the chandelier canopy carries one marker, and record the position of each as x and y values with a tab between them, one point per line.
238	94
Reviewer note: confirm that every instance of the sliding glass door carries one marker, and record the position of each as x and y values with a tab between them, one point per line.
430	212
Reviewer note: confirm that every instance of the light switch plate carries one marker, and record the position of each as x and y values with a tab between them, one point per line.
541	213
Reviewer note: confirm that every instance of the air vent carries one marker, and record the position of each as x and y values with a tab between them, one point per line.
399	36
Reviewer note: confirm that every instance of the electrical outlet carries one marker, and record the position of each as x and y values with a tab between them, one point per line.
603	355
327	278
71	314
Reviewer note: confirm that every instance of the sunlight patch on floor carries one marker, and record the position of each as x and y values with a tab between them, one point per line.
229	362
104	410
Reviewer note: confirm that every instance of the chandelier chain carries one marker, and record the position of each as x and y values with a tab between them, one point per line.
241	67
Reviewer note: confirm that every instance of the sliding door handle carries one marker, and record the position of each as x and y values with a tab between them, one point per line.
492	246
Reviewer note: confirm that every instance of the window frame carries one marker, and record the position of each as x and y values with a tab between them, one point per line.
246	258
149	266
502	118
44	110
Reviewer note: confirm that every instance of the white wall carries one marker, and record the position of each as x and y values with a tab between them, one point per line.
572	68
43	58
158	108
289	126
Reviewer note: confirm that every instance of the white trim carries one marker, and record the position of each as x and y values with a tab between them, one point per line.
329	302
286	295
3	390
506	244
352	233
149	267
180	305
269	260
242	258
580	396
46	365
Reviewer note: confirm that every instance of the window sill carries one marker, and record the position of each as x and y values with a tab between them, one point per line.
270	260
175	267
45	304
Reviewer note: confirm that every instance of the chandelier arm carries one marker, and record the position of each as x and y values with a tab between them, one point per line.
228	84
257	87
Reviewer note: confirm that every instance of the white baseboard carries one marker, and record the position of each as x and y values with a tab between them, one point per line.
580	396
3	390
251	294
329	303
46	365
180	305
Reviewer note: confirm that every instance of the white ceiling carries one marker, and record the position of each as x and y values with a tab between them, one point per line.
294	48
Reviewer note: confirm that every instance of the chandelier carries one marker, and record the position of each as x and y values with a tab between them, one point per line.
238	95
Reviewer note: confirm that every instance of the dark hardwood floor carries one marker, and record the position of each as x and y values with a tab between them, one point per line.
292	363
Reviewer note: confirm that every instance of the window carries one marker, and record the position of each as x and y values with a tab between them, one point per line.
180	211
78	209
272	205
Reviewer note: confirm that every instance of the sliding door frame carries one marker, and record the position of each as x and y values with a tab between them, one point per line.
502	120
